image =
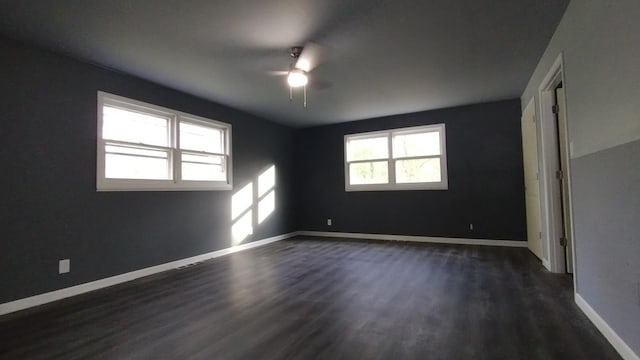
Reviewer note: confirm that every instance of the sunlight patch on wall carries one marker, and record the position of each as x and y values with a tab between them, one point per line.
266	206
241	214
267	180
252	205
241	201
242	228
266	185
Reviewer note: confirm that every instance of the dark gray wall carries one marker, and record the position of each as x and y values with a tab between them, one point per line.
50	209
486	188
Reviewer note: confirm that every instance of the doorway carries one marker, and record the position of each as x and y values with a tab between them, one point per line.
555	179
559	111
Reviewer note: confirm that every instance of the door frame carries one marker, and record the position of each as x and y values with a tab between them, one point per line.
549	157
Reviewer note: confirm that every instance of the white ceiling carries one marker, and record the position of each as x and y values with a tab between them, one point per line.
384	56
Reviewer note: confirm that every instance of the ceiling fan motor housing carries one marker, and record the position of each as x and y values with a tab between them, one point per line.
295	52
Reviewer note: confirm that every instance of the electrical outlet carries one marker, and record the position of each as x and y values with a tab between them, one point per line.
329	222
64	266
470	226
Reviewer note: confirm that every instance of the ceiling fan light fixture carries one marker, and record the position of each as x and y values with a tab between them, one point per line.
297	78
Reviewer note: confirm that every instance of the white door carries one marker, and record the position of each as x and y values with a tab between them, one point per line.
564	185
531	182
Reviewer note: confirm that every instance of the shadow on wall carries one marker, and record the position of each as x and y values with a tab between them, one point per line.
251	205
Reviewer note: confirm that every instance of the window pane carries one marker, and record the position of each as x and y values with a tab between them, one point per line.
203	167
418	170
368	148
201	138
417	144
134	163
135	127
369	173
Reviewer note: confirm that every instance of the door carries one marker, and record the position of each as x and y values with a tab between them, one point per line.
564	184
531	178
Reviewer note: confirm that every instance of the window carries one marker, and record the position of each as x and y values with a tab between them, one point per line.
398	159
147	147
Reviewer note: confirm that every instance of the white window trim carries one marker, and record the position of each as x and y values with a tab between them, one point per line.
392	185
175	117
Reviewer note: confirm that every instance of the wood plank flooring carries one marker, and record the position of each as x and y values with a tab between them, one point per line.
322	299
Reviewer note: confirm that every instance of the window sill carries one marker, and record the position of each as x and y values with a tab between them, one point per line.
161	186
403	187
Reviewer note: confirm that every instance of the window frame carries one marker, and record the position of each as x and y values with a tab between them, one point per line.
174	151
392	185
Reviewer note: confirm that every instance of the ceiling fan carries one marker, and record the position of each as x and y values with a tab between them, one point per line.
303	60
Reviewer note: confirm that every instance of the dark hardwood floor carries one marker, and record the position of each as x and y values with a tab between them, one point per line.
322	299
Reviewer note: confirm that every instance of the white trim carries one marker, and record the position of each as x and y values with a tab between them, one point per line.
546	264
412	238
553	73
41	299
390	160
616	341
173	149
549	162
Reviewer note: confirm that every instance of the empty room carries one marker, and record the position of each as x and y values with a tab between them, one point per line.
320	179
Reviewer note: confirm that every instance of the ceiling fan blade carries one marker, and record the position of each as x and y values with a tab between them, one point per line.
277	72
312	55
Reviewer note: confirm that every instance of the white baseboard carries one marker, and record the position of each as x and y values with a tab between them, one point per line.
621	347
428	239
41	299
